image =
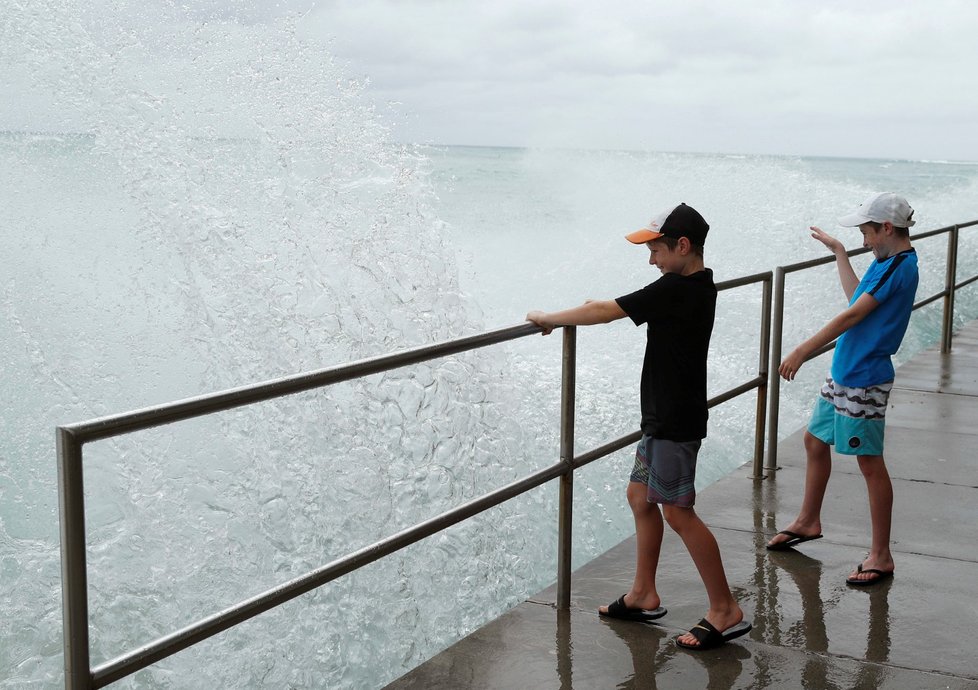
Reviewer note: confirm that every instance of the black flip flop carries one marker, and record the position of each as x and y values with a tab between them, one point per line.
880	576
793	540
710	638
617	609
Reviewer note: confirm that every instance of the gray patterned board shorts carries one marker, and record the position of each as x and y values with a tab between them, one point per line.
668	470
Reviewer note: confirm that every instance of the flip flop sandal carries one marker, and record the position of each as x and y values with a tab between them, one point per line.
617	609
710	638
880	576
793	540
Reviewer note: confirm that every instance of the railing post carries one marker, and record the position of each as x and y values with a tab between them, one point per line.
74	576
764	348
947	325
774	382
566	499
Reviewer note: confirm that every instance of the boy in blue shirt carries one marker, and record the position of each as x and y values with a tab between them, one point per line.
679	308
850	411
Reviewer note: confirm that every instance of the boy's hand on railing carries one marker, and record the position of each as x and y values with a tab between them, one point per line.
791	364
541	320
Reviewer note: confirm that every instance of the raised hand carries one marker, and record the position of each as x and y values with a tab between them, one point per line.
833	245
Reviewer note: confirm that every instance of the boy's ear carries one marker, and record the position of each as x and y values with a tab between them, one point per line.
685	245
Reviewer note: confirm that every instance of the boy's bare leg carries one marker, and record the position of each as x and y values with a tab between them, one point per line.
880	491
818	469
702	546
648	538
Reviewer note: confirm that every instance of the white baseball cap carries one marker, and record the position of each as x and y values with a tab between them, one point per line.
885	207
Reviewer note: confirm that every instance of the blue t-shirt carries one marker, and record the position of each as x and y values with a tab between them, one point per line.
862	353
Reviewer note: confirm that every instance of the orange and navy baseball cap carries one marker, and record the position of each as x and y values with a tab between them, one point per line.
678	221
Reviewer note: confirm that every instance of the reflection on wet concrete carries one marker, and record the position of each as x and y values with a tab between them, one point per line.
648	646
652	661
647	650
782	578
803	575
565	650
877	636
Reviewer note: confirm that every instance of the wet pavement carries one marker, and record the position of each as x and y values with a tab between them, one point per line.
811	630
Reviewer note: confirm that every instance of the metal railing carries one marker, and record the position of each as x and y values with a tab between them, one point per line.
947	323
71	439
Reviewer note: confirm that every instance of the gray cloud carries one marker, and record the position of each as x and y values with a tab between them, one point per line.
860	79
834	78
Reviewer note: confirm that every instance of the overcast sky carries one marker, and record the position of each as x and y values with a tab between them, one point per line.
861	79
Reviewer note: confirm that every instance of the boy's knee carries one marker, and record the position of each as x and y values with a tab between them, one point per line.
871	464
677	517
813	444
638	497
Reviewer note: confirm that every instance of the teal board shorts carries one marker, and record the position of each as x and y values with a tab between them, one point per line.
668	470
851	419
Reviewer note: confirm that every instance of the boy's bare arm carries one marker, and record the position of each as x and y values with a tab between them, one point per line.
847	276
832	330
591	312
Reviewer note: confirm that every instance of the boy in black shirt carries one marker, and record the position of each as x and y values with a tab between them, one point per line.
679	309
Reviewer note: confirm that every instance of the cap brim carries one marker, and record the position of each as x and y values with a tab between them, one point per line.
853	220
642	236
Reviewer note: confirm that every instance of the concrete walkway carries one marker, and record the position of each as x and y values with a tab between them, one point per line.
811	630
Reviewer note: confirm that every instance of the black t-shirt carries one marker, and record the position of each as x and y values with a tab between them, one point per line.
679	311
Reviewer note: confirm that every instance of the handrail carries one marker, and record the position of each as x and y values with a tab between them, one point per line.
72	437
170	644
950	287
168	413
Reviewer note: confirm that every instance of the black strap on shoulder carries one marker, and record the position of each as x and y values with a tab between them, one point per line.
897	260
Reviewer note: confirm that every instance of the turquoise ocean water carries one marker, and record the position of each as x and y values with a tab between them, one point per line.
111	306
244	216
